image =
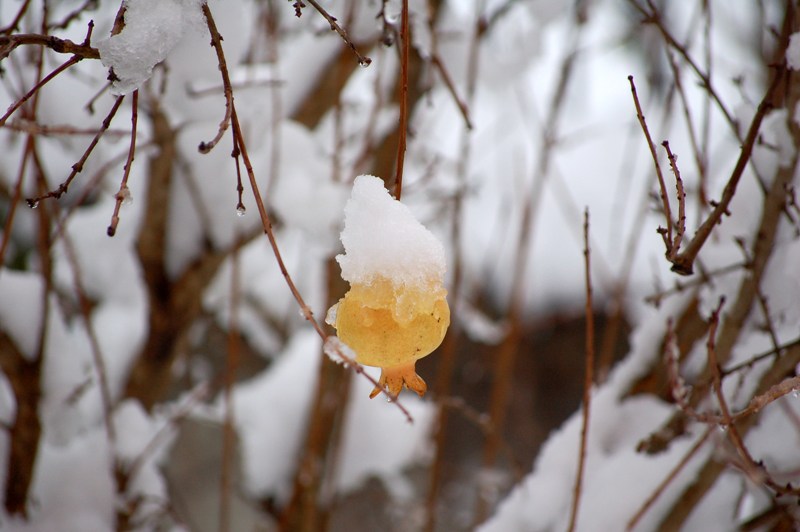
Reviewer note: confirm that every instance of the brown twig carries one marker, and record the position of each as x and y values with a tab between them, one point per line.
680	230
63	46
88	5
588	378
90	187
704	277
41	83
448	81
44	130
231	366
654	17
405	41
362	59
235	153
673	473
756	471
683	262
97	354
124	193
15	199
700	155
216	42
776	351
90	104
14	24
78	166
665	232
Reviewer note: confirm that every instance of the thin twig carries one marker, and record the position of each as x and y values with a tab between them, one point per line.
684	261
405	41
448	81
700	156
216	42
41	83
362	59
56	130
194	397
777	351
675	244
63	46
91	185
666	233
235	153
88	5
674	472
231	366
78	166
124	193
90	104
15	23
654	17
716	376
97	354
12	209
588	378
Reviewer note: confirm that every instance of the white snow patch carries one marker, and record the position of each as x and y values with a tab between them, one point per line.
378	441
21	308
73	487
152	29
271	412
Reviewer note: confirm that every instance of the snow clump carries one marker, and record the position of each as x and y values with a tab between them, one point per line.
381	237
151	30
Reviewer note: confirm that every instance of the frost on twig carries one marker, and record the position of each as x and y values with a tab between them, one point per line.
338	351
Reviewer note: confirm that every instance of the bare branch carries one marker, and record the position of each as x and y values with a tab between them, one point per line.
78	166
124	194
362	59
63	46
588	377
666	233
216	42
405	41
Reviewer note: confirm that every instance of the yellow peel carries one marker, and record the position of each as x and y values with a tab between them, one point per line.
391	327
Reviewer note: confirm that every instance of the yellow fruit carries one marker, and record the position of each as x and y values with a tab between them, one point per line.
391	327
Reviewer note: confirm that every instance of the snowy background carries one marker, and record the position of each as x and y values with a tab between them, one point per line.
166	379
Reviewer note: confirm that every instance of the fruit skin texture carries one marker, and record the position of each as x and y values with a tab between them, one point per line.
392	326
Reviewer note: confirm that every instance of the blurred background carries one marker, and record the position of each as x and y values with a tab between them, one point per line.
168	377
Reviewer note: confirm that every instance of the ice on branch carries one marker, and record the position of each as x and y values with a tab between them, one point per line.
338	351
396	310
151	30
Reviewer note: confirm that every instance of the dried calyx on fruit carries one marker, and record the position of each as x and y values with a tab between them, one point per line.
396	310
